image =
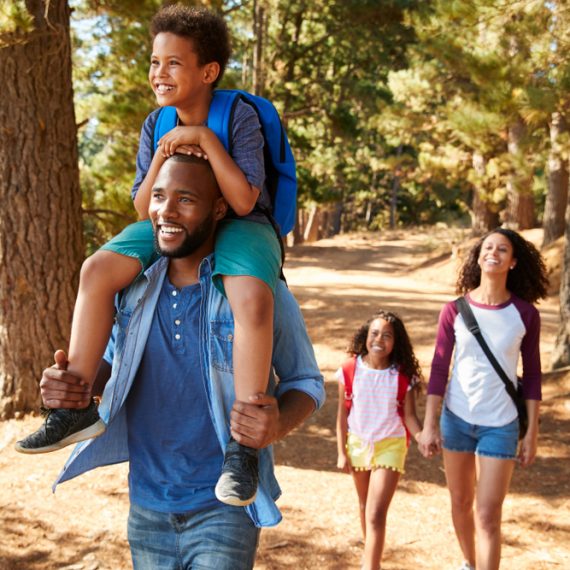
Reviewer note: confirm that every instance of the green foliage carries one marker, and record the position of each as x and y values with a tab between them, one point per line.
14	18
374	96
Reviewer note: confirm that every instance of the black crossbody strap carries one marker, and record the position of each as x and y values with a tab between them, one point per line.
471	323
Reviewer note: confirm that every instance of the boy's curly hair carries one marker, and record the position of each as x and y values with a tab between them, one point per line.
207	30
527	280
402	354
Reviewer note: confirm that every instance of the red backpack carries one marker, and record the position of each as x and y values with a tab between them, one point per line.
349	369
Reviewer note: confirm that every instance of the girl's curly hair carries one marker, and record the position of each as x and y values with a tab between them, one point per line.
526	280
402	354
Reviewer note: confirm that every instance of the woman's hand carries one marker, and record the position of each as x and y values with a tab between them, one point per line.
528	448
429	441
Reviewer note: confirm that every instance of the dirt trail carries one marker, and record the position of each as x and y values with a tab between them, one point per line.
338	284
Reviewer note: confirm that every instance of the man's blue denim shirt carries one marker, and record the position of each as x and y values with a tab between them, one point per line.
293	361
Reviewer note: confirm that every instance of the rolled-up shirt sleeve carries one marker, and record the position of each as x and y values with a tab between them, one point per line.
293	355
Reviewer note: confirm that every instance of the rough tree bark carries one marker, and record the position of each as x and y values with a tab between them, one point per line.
557	197
520	202
41	242
259	29
561	350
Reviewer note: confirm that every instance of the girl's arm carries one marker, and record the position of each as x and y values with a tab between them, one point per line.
238	192
410	415
343	462
429	440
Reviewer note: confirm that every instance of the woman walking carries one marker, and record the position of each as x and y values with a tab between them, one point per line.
479	430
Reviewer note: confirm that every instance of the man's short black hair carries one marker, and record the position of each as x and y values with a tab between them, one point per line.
193	159
207	30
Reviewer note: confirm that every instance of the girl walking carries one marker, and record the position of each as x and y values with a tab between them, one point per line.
500	280
376	414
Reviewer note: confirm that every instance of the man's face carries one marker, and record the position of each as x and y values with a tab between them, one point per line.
184	207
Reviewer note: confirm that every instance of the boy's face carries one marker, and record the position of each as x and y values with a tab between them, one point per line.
175	75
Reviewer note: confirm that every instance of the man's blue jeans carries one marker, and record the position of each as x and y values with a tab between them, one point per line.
222	538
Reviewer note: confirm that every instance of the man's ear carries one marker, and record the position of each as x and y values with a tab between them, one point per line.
211	72
220	208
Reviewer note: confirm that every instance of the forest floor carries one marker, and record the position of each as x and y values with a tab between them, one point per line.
339	283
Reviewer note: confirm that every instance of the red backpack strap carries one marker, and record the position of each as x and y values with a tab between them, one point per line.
403	384
348	371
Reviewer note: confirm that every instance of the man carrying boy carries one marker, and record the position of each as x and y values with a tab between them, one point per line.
191	48
169	404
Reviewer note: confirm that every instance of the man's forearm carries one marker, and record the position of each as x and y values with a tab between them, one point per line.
294	408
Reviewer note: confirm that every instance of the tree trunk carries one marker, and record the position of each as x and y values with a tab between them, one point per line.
394	191
520	202
557	197
259	18
41	242
337	217
561	350
312	228
483	218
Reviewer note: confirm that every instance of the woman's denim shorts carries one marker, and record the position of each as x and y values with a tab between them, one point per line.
458	435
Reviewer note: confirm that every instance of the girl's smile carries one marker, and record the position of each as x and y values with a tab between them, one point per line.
379	344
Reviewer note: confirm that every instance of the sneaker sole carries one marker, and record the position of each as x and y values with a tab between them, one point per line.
234	501
92	431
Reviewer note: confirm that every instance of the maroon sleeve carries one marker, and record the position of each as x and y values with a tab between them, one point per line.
530	350
444	344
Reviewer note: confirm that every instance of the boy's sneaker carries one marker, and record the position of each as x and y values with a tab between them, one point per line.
466	566
237	485
63	427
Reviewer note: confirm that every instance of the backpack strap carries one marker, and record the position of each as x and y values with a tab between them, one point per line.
403	385
167	119
471	323
348	371
221	115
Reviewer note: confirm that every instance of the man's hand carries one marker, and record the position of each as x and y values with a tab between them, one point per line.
255	423
62	389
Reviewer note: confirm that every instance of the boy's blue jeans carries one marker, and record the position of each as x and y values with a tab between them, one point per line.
222	538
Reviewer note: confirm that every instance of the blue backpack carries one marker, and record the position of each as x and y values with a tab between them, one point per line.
280	171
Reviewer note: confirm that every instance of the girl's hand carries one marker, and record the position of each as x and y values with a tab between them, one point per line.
528	448
343	463
429	441
179	136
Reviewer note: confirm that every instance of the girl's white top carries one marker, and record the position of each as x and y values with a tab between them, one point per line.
374	412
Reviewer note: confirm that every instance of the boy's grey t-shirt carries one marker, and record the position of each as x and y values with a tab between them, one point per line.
247	153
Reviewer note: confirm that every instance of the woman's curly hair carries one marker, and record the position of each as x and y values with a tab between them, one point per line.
527	280
402	354
206	29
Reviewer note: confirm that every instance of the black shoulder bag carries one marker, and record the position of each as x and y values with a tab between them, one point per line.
515	394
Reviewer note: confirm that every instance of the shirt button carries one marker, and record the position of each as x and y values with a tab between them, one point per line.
174	293
230	337
175	305
177	322
177	336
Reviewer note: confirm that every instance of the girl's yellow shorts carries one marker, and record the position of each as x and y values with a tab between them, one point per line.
389	453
